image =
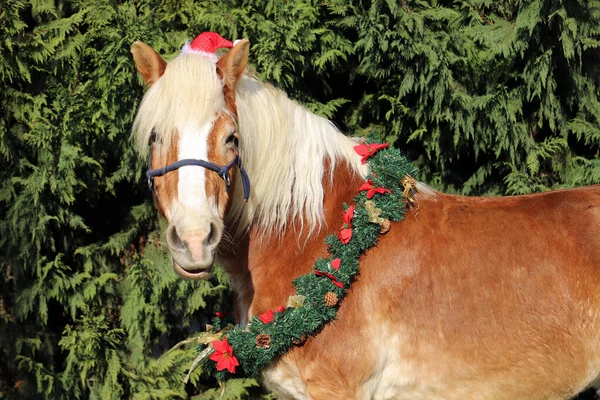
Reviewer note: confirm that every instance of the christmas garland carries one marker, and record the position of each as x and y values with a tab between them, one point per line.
382	198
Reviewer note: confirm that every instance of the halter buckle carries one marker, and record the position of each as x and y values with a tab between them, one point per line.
225	176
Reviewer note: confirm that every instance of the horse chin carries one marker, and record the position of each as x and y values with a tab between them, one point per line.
196	274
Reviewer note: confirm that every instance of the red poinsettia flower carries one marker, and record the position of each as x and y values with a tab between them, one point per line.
335	263
223	356
368	187
269	316
346	229
367	150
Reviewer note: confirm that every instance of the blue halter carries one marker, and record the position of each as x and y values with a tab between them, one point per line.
222	171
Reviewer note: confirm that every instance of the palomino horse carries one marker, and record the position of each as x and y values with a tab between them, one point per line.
468	298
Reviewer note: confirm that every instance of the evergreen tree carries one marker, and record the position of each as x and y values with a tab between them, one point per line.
486	97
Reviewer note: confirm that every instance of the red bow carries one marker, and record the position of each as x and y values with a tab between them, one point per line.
346	229
268	317
368	186
367	150
328	275
335	263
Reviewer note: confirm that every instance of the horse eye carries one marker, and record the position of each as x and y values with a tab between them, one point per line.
152	137
232	139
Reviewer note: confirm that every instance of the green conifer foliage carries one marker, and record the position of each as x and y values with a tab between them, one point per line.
492	97
88	295
485	97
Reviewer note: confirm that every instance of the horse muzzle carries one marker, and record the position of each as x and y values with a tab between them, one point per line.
193	251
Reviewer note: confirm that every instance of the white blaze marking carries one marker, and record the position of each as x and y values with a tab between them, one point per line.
192	179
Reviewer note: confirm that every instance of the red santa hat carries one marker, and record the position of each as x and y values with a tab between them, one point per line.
207	44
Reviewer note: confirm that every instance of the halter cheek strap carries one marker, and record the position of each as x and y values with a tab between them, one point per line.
222	171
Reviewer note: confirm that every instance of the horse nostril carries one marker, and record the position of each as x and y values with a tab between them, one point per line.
211	234
173	238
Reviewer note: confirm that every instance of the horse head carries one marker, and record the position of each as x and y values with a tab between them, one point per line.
187	124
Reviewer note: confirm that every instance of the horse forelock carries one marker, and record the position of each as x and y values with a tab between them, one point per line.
189	92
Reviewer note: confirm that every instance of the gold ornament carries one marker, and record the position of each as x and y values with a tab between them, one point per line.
330	299
295	301
263	341
373	212
204	338
384	224
410	189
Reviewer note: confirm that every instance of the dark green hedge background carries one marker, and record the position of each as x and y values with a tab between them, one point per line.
486	97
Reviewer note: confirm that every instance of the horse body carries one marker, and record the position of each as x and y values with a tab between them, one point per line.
487	298
466	298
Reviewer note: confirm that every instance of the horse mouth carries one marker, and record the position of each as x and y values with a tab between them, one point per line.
196	274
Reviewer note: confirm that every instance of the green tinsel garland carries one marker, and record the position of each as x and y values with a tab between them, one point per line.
291	327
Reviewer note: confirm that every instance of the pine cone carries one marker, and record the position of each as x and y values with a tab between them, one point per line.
263	341
299	341
384	227
330	299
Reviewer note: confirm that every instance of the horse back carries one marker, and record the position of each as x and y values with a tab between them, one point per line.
561	227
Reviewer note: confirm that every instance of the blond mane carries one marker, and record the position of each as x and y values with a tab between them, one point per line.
283	146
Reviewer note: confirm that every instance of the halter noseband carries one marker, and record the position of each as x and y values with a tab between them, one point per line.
222	171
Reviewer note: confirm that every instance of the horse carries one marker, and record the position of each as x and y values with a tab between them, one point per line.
467	297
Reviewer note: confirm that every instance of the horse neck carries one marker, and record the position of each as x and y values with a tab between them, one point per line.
301	170
264	264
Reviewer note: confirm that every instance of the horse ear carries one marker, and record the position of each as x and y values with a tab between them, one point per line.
231	66
147	61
